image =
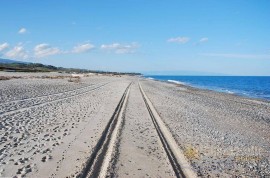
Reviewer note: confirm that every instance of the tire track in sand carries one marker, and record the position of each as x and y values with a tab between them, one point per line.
177	159
99	161
46	95
53	101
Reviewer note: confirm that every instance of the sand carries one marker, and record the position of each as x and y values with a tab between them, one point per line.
56	137
139	137
51	127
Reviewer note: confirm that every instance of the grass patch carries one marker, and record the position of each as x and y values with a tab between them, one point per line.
191	153
76	79
4	78
9	77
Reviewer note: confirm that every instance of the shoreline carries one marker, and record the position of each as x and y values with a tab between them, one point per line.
175	82
222	134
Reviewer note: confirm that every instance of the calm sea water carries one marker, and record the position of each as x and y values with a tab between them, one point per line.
254	87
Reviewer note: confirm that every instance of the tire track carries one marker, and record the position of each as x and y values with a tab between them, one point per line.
99	161
139	151
177	159
19	104
53	101
46	95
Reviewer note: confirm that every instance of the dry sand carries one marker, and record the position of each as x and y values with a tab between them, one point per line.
51	127
56	137
140	150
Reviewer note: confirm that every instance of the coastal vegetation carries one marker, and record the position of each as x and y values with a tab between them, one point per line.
37	67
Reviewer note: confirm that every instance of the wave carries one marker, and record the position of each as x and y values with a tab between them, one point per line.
243	86
230	92
177	82
150	78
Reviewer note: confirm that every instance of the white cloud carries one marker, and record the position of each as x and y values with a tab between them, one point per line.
202	40
119	48
83	48
181	40
240	56
18	52
43	50
22	31
3	46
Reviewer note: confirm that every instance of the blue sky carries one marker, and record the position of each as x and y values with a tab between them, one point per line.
201	37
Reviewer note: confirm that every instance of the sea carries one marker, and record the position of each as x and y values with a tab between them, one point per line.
248	86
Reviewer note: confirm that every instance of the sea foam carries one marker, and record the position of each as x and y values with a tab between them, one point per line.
177	82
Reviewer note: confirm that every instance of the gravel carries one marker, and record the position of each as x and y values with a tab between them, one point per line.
222	135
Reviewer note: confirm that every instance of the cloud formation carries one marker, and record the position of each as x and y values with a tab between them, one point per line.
83	48
240	56
181	40
22	31
3	46
119	48
43	50
18	52
202	40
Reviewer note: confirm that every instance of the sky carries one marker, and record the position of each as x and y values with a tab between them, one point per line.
209	37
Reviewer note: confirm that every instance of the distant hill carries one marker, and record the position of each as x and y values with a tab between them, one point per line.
19	66
9	61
